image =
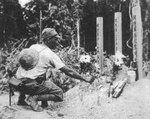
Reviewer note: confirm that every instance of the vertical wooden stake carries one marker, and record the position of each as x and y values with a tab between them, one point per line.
78	36
49	6
40	26
118	31
99	37
147	46
137	36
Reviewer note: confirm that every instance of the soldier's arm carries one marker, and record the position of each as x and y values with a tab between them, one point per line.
70	72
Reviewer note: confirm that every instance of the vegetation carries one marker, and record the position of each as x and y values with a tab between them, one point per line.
20	27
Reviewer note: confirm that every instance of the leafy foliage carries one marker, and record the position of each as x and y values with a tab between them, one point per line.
59	14
11	22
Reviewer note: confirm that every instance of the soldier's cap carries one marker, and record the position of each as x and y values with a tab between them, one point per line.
49	33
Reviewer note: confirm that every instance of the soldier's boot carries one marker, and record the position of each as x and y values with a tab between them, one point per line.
21	100
44	104
33	100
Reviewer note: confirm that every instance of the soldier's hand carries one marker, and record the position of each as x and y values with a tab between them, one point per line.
90	79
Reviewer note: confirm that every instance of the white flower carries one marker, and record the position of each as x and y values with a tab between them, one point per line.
85	58
97	66
119	58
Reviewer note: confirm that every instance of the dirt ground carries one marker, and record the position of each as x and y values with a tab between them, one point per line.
88	102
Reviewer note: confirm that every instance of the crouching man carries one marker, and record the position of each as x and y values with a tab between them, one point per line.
34	63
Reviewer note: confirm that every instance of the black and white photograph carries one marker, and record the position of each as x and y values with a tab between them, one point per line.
74	59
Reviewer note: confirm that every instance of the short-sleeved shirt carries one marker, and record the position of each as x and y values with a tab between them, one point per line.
47	59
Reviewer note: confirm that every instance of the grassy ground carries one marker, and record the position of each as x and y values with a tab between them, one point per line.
88	102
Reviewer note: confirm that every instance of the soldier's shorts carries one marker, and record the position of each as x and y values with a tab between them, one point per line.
32	87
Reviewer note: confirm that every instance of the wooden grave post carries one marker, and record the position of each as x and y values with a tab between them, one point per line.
137	31
118	31
78	32
99	37
40	26
78	36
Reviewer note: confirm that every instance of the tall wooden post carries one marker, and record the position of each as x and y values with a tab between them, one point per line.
78	32
99	37
118	31
78	36
137	30
146	46
40	26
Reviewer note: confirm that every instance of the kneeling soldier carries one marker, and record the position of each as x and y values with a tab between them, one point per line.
34	63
